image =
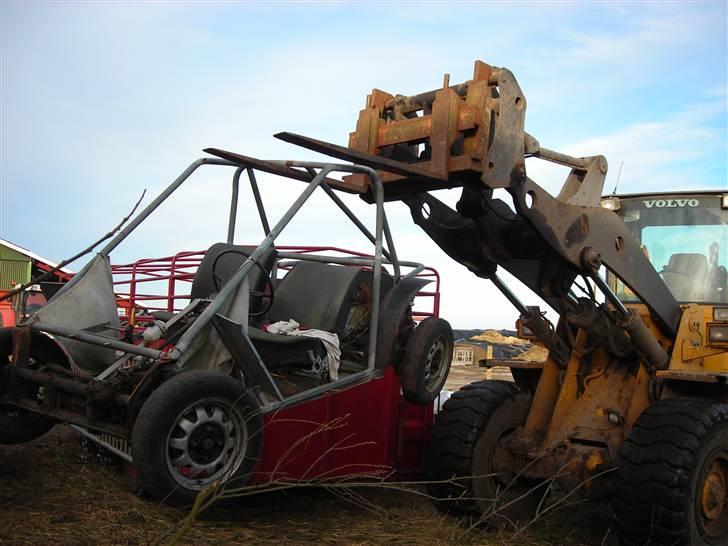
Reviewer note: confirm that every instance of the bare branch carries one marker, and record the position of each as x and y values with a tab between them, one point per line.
64	263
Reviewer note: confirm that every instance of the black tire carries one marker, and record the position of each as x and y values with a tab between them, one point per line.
463	438
18	426
196	419
464	435
430	346
672	481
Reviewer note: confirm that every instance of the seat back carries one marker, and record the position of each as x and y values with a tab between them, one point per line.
692	265
685	275
226	260
317	295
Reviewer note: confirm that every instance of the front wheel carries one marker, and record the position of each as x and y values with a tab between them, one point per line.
672	481
198	428
462	458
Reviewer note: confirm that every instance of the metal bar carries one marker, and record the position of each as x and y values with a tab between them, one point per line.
259	200
581	163
418	101
349	214
151	207
229	289
111	369
392	251
234	205
103	443
67	385
320	390
389	254
171	286
613	299
101	341
347	261
361	159
378	190
509	294
241	347
132	296
279	168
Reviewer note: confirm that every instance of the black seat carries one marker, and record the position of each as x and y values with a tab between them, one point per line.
315	295
222	260
686	275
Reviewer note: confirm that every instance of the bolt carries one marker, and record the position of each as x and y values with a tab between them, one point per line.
591	259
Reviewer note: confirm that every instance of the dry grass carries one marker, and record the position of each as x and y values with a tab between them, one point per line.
53	491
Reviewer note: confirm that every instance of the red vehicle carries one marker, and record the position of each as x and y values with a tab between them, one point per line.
244	364
369	430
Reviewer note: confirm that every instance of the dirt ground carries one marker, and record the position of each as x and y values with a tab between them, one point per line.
55	490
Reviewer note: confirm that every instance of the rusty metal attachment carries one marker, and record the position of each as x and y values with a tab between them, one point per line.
472	132
444	132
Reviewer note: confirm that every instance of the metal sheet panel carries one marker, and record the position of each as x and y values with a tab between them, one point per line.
13	272
87	301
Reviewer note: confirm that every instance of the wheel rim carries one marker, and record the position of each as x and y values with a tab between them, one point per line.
206	443
435	365
712	497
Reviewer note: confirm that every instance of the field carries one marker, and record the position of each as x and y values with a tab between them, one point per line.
56	490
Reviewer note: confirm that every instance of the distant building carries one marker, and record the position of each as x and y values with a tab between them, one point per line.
18	266
468	352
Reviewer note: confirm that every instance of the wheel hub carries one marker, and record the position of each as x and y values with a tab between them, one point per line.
714	492
435	364
712	496
203	443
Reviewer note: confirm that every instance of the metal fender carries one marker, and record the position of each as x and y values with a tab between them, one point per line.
392	309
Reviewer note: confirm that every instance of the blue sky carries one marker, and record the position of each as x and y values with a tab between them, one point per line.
101	100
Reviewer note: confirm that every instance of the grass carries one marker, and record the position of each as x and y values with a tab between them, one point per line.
55	491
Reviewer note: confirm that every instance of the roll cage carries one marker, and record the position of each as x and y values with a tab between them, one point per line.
84	315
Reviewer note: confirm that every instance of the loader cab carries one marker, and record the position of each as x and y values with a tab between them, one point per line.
685	237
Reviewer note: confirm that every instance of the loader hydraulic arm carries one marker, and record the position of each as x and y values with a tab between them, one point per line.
471	135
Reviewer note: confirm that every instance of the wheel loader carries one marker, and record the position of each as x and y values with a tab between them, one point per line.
632	400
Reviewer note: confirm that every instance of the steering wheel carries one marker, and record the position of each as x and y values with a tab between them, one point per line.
218	282
675	271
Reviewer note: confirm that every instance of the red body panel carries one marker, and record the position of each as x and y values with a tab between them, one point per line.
7	313
367	429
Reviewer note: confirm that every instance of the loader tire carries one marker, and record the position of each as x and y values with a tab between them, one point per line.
672	480
459	462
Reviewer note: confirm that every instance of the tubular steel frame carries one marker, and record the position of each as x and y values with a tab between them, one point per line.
316	175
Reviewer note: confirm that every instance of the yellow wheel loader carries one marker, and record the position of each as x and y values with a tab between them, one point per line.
632	401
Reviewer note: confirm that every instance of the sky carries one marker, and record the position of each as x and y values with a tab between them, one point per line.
99	101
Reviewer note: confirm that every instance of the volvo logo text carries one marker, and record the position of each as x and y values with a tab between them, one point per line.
670	203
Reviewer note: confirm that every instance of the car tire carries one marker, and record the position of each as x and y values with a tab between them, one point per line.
197	429
427	361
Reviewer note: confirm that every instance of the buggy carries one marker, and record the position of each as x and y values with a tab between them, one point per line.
192	389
